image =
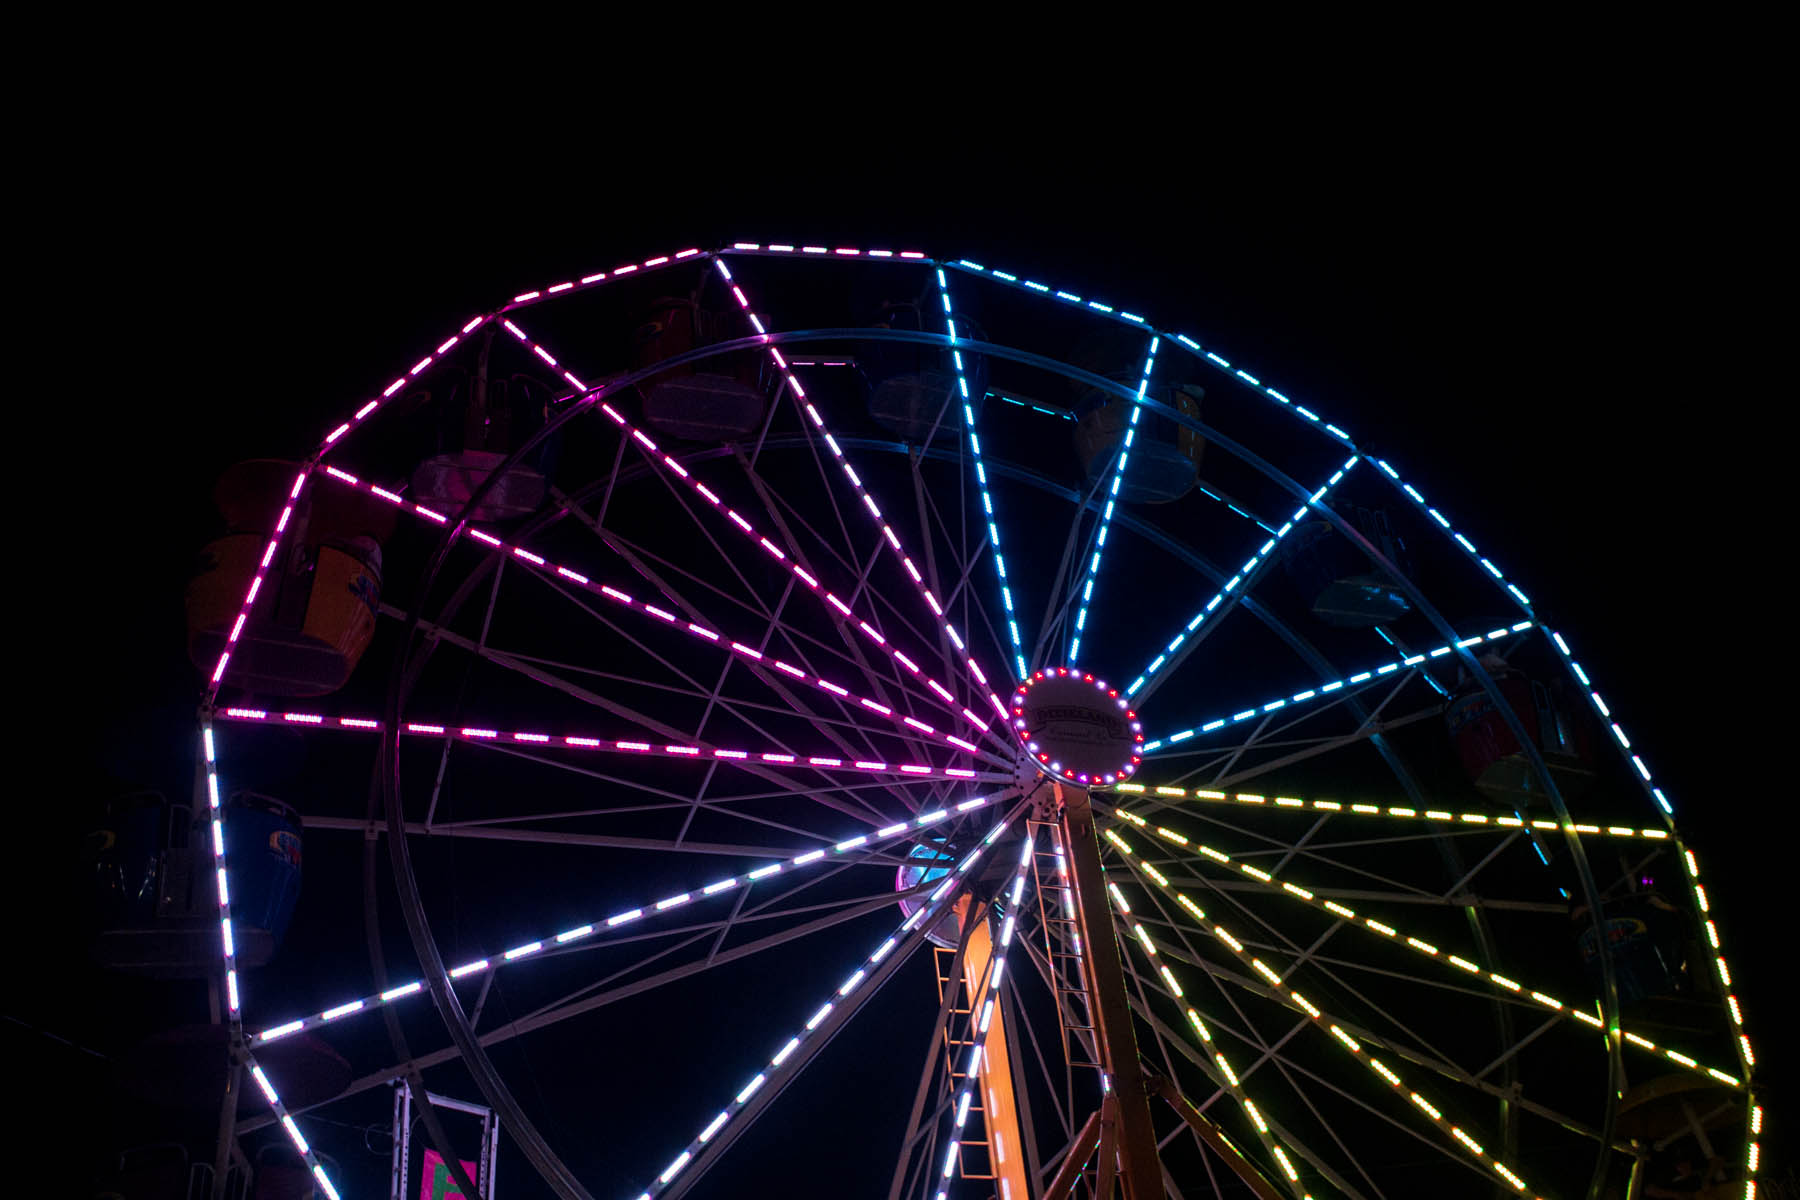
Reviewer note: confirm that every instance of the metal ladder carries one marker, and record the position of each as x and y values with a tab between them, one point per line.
1062	945
974	1158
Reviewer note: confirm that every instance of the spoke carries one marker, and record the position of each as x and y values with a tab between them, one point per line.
747	1104
1171	656
1296	893
1132	930
868	501
1092	573
552	571
1348	1043
583	742
1328	688
987	503
287	1125
1402	813
628	916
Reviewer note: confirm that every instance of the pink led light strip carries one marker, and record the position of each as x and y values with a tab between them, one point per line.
924	914
887	531
628	916
843	611
228	952
256	582
693	629
478	733
525	299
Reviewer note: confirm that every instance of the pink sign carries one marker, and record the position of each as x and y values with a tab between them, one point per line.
438	1183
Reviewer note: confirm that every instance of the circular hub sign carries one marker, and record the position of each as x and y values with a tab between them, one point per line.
1076	727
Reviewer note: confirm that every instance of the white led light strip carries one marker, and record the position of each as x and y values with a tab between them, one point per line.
1495	821
984	1005
1344	1040
693	629
631	916
981	480
1233	1084
1518	991
479	733
1240	580
1112	499
925	913
868	501
1411	660
228	947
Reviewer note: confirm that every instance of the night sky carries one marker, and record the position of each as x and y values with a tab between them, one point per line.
1547	336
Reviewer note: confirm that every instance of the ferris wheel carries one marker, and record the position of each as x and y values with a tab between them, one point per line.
1094	771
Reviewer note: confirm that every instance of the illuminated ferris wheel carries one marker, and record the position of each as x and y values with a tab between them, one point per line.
831	619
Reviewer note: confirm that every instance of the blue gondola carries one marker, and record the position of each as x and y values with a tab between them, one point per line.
1336	578
913	388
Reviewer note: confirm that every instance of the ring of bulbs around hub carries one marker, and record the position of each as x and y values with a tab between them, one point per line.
1075	732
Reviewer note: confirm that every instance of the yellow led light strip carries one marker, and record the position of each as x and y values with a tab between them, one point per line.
1421	947
1745	1055
1232	1083
1344	1040
1494	820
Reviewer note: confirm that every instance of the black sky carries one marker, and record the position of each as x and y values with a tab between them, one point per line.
1547	328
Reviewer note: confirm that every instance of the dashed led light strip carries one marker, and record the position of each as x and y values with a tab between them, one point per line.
842	611
256	582
1746	1056
1237	374
981	480
1416	945
537	295
1273	977
984	1004
1243	579
887	531
1411	660
1492	820
926	912
477	733
1606	715
1233	1084
228	949
629	916
693	629
1112	499
289	1127
1461	540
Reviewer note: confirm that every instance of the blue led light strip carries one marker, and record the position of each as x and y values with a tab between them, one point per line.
1411	660
1606	715
826	854
1220	364
987	502
981	1013
924	915
228	947
1243	579
1112	500
1462	542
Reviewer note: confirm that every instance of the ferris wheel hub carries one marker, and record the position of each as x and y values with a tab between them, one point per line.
1076	727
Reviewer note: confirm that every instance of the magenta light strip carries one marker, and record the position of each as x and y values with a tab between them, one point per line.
526	299
372	406
630	915
256	582
544	355
887	531
925	913
983	1005
657	456
693	629
479	733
